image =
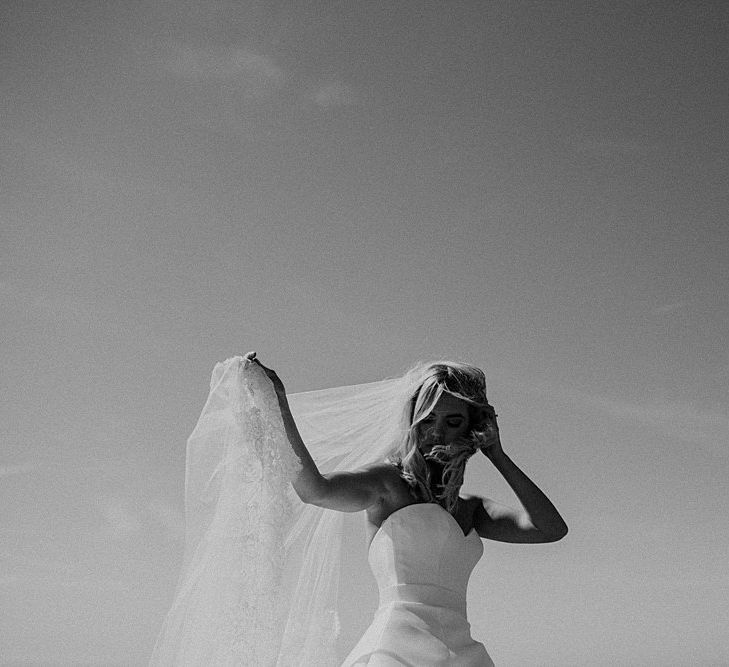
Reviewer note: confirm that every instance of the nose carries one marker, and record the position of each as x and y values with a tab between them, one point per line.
436	432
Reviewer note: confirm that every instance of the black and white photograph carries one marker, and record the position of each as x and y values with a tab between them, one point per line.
386	333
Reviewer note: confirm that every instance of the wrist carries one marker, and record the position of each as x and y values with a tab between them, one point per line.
283	403
494	454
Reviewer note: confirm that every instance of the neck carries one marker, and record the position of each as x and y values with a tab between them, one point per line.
437	483
436	470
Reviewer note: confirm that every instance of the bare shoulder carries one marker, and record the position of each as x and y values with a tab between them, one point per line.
388	472
386	476
379	474
395	493
381	467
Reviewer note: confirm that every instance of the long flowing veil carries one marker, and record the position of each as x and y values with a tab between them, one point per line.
261	572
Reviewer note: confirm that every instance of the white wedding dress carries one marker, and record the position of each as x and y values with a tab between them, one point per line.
421	561
259	581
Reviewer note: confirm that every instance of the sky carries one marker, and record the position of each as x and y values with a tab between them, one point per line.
347	188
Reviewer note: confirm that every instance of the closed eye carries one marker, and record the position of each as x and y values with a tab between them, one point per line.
452	423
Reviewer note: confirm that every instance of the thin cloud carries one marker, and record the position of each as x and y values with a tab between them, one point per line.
120	520
60	162
336	94
608	147
16	469
168	516
256	72
76	169
36	570
37	577
669	308
682	420
56	308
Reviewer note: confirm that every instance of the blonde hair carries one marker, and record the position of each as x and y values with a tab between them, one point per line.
431	381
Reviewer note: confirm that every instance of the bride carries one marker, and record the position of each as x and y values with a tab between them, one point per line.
424	537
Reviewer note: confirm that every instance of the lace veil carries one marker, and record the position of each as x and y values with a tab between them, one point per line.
261	571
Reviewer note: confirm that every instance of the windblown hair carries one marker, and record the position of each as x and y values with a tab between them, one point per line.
431	381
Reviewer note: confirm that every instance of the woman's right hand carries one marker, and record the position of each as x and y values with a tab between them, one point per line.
270	374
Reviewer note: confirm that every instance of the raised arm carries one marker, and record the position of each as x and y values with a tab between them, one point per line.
345	491
537	521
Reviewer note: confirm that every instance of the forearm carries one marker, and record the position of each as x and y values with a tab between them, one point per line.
309	481
540	510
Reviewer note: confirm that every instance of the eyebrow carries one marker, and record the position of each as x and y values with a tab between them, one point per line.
450	416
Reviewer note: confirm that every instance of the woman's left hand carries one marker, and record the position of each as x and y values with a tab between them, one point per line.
489	440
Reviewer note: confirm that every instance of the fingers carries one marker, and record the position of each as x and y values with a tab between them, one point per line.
251	357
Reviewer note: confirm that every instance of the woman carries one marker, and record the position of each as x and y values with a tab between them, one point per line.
423	536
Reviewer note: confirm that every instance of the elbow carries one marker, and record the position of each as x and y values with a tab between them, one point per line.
556	534
311	492
305	495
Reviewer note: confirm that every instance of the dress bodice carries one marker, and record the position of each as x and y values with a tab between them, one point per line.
420	552
421	561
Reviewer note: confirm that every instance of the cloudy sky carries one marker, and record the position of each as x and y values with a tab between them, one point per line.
538	188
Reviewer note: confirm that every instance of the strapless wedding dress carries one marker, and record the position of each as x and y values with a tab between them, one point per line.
421	561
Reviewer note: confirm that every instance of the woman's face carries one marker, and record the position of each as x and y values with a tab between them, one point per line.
448	421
